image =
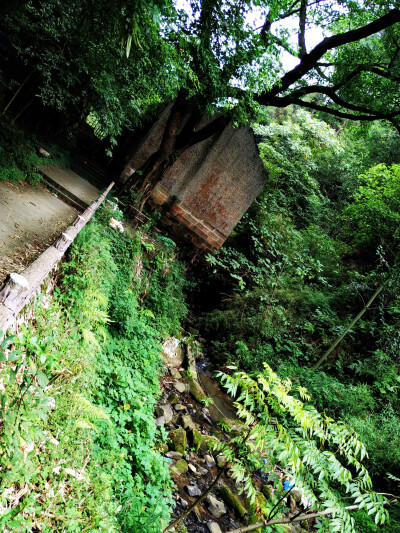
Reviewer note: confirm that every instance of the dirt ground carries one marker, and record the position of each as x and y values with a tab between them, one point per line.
31	218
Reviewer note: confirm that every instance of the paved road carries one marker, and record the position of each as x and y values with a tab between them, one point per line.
30	219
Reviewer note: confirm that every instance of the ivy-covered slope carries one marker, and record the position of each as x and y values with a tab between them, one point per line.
78	388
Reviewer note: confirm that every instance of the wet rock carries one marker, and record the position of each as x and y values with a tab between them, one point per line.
179	440
172	353
216	508
213	527
196	390
193	490
173	398
180	407
175	374
180	387
232	501
166	412
192	468
202	471
234	427
221	460
188	423
174	455
197	439
210	462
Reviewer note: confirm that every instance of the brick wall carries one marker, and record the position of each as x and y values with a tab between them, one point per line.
209	187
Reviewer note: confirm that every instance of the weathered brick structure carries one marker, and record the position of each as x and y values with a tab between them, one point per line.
209	187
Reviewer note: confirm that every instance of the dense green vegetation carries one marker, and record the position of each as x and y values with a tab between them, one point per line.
79	385
302	263
79	437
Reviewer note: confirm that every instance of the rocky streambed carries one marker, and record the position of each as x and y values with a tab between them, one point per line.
196	413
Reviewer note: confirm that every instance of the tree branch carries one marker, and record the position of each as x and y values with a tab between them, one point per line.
309	61
302	28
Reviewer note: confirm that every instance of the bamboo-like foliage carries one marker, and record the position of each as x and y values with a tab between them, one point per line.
323	456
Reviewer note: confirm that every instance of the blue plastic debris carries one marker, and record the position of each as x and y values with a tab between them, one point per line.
288	485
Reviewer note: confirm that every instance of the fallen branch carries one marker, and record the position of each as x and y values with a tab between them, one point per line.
288	520
299	518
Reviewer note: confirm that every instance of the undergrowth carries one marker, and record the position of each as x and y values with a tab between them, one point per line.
78	388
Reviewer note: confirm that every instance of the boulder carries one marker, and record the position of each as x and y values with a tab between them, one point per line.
213	527
208	442
172	353
160	421
174	455
216	508
268	491
197	439
192	468
165	411
187	422
180	407
163	447
175	374
232	501
256	509
173	398
221	460
180	387
180	467
233	427
179	440
210	462
191	361
193	490
196	390
296	495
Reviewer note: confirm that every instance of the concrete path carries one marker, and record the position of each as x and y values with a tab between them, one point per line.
71	187
30	220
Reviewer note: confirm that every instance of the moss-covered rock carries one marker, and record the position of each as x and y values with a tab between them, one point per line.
257	509
196	390
232	501
267	490
233	427
208	442
178	440
187	422
173	398
197	439
181	467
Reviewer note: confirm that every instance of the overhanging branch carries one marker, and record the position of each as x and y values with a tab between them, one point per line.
309	60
